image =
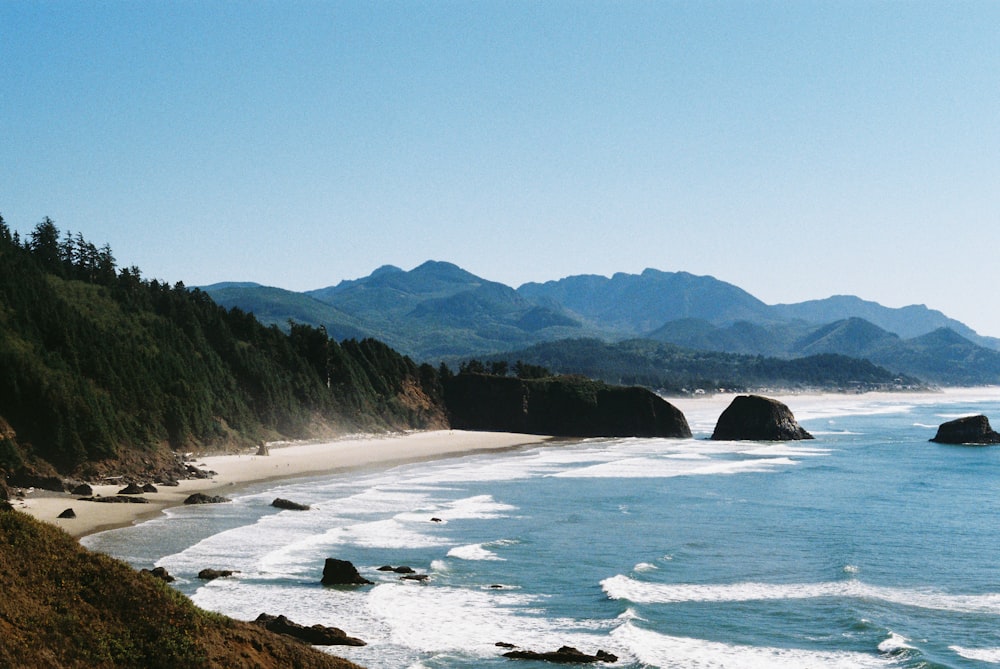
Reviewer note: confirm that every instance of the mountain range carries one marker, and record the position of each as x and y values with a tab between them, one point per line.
439	311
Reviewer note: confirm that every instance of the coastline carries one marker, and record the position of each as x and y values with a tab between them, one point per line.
377	451
284	462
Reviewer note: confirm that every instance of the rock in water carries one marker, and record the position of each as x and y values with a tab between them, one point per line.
967	430
317	635
212	574
158	572
342	572
756	418
565	655
280	503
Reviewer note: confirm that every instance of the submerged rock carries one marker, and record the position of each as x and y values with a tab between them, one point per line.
565	655
756	418
317	635
968	430
342	572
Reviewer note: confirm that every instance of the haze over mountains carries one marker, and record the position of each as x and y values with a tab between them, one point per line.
440	311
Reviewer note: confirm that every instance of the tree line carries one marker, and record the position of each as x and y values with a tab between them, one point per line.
98	364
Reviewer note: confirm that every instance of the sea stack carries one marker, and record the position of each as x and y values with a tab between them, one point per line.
756	418
342	572
973	430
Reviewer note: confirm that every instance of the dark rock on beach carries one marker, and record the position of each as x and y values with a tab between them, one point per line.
149	487
280	503
212	574
756	418
316	635
202	498
342	572
117	499
131	489
974	430
83	490
565	655
68	513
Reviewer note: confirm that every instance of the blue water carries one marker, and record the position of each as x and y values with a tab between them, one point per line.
867	547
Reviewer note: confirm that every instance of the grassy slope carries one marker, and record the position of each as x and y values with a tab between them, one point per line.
63	606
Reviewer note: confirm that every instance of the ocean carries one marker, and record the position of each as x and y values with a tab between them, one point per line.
869	546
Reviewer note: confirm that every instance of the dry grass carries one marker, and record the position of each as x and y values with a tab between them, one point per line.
63	606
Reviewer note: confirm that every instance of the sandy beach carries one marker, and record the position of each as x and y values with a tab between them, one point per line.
284	461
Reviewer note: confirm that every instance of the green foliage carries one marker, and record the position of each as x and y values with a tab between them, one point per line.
674	369
97	364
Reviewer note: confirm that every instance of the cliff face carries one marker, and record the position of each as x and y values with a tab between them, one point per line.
561	406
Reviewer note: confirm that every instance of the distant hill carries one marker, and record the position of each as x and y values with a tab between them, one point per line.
631	304
907	322
941	357
430	312
439	311
277	306
673	369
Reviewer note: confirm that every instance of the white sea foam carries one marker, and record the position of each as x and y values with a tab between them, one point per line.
473	552
624	587
661	650
787	449
473	621
895	642
670	467
990	655
645	566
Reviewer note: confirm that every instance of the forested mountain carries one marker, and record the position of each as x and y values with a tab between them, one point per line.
439	311
102	368
907	322
431	312
941	357
633	304
673	369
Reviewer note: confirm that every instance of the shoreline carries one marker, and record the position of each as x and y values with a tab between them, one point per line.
298	459
357	453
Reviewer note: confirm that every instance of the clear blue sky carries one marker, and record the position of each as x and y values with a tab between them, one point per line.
797	149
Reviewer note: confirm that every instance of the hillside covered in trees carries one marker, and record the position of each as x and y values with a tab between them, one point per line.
103	369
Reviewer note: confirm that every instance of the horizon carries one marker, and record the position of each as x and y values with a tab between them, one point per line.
797	151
